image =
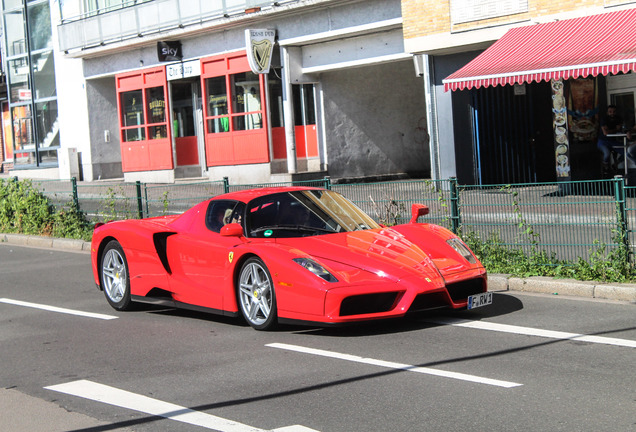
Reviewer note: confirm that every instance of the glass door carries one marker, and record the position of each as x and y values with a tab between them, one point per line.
185	96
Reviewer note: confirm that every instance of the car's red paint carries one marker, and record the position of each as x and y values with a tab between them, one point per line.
381	272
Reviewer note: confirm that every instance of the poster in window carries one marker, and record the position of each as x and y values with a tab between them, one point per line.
156	105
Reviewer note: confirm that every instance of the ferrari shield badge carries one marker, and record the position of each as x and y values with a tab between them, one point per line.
230	257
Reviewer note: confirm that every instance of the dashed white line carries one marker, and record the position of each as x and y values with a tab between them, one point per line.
393	365
57	309
529	331
136	402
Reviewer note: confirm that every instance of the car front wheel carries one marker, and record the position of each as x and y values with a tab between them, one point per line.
115	277
256	296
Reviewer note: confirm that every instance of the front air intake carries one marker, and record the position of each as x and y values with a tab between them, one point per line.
368	303
459	291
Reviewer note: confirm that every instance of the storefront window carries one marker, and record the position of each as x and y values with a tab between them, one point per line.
156	108
217	105
246	98
10	4
156	105
24	144
158	132
47	156
44	75
134	123
132	115
304	105
233	106
217	96
15	32
18	70
7	133
31	81
40	35
22	127
46	117
247	93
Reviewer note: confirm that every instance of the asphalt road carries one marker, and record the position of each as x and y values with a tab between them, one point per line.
526	363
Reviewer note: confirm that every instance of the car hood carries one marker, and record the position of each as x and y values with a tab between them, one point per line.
383	252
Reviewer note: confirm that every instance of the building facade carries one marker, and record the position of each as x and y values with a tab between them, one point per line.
160	90
29	115
517	88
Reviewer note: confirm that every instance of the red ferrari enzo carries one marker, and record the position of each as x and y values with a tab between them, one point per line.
286	254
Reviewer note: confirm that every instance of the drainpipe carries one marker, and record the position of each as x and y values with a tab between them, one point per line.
288	113
431	115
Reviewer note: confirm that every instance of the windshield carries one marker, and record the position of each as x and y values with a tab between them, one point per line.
304	213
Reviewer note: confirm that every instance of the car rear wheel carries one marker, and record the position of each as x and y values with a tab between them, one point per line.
115	277
256	296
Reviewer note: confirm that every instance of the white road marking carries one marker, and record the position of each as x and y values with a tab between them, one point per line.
125	399
392	365
529	331
57	309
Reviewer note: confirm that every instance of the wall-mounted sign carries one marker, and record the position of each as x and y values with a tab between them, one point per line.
187	69
24	94
260	45
520	89
169	51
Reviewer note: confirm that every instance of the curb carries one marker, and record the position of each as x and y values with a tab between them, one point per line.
496	282
46	242
566	287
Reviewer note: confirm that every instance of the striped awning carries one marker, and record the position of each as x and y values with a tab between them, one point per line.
593	45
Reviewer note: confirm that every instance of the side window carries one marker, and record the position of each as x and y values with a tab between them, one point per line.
221	213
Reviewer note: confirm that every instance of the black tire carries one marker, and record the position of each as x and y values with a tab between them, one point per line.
114	276
256	296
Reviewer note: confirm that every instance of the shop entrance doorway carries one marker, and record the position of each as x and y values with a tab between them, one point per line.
187	128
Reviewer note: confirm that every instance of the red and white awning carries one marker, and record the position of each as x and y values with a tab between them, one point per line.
594	45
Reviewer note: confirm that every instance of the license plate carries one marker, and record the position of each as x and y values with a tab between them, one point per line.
479	300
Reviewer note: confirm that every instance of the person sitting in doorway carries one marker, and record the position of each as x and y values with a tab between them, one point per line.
612	123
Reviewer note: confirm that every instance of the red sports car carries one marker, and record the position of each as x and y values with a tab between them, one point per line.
286	254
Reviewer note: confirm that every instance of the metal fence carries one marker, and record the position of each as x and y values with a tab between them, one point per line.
566	220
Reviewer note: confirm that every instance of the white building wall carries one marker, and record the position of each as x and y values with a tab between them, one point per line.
72	110
375	121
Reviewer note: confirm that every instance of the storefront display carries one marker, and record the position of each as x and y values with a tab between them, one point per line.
236	132
145	142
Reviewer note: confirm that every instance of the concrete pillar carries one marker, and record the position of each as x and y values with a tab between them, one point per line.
288	113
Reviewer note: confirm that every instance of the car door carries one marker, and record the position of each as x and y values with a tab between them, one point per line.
200	258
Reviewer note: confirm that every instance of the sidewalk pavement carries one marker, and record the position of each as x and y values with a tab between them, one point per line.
21	412
496	282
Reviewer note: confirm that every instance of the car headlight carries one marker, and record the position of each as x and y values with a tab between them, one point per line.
461	248
316	269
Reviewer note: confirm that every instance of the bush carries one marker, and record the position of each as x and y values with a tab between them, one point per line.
604	265
25	210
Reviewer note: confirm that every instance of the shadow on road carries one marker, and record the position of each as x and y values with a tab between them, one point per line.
502	304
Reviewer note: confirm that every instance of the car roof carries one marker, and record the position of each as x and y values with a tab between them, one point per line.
249	194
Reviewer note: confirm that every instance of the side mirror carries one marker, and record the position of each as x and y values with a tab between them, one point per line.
232	230
418	210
